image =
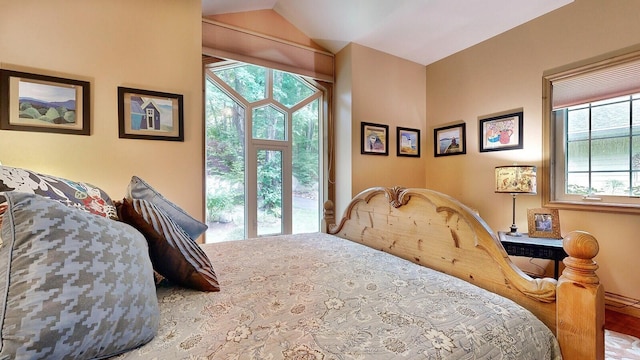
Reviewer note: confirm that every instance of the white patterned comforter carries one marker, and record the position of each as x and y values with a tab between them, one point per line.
316	296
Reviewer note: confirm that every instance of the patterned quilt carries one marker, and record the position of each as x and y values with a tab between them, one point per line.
316	296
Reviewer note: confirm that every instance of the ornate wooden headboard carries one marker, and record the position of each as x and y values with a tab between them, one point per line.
437	231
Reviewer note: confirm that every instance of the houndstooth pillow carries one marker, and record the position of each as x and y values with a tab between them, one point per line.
72	284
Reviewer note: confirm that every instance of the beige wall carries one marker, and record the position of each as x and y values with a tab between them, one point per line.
381	89
505	73
343	107
110	44
145	44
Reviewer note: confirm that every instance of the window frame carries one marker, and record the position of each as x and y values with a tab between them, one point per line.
553	140
253	145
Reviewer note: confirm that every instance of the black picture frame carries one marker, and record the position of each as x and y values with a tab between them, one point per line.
374	139
43	103
408	142
450	140
150	115
502	132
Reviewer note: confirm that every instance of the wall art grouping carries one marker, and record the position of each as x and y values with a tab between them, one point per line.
374	140
44	103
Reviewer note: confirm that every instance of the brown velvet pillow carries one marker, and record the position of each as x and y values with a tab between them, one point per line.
173	254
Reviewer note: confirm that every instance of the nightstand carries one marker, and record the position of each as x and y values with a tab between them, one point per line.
539	248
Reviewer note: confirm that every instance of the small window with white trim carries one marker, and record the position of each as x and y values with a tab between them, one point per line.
592	123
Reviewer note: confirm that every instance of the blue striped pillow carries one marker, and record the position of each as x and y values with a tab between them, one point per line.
173	254
139	189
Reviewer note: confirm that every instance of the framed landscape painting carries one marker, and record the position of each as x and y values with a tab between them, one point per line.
42	103
151	115
450	140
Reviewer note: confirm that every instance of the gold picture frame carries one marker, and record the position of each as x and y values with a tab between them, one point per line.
544	223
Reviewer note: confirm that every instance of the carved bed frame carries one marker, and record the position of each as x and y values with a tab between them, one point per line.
434	230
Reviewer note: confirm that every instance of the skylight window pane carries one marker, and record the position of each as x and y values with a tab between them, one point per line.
248	80
268	124
288	89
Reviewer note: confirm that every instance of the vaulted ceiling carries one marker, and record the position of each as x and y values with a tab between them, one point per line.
422	31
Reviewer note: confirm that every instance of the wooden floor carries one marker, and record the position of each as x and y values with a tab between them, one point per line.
622	323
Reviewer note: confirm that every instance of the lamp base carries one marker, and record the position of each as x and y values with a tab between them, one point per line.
514	231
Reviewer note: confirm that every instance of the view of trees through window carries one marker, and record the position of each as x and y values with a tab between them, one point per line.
262	152
603	147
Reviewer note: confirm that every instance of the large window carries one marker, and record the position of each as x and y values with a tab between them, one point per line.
593	127
263	139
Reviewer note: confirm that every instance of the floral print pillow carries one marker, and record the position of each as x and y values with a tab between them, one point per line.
78	195
3	209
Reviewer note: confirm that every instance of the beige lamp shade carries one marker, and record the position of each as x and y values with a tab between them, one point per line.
516	179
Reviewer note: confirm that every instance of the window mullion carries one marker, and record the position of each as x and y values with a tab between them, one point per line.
630	167
590	147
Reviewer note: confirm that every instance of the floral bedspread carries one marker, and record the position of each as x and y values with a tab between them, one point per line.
316	296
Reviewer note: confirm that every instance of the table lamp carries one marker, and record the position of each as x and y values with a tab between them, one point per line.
514	180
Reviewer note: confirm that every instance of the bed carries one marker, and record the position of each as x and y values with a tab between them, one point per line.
409	273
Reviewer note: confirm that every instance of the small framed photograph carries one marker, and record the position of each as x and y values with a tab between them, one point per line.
408	142
502	132
544	223
450	140
41	103
374	139
151	115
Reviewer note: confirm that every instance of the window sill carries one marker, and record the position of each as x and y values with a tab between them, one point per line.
593	206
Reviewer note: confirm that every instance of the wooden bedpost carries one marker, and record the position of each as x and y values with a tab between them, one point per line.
329	217
580	300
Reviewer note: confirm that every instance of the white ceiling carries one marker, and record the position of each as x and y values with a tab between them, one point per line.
422	31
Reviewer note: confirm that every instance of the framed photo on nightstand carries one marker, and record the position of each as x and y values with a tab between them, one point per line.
544	223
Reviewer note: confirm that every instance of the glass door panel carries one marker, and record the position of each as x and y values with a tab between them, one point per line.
306	168
269	192
225	166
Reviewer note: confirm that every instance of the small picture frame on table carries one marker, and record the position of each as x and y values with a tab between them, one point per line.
408	142
544	223
150	115
450	140
374	139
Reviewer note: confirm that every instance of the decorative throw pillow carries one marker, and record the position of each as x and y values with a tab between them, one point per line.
72	285
3	208
71	193
173	254
139	189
